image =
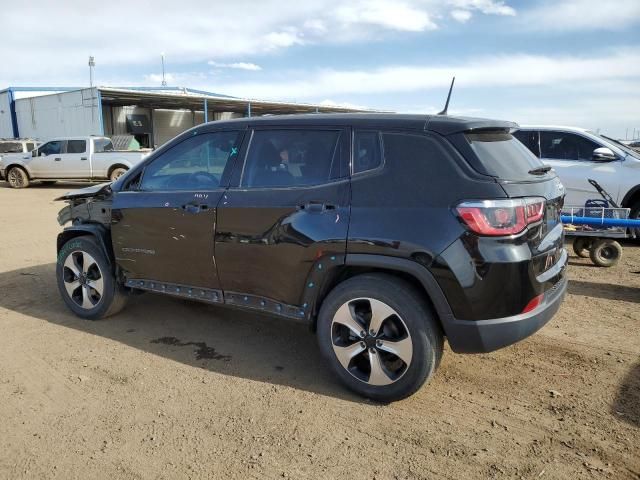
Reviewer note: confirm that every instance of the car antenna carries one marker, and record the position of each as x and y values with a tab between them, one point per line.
446	105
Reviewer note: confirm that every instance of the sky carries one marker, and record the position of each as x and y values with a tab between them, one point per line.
567	62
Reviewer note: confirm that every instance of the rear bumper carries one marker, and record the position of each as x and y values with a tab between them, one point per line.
480	336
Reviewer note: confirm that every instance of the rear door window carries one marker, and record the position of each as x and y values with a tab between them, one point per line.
501	155
76	146
566	146
366	151
291	158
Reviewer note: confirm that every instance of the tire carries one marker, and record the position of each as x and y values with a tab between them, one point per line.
117	173
605	252
86	281
634	214
402	314
581	246
18	178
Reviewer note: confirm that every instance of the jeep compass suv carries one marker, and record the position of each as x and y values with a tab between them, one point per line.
385	233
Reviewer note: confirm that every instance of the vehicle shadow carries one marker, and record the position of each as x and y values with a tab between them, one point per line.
64	185
626	404
604	290
217	339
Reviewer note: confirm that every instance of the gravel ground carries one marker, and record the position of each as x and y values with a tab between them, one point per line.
170	389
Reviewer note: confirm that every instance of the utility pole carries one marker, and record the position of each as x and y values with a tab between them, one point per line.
92	63
164	82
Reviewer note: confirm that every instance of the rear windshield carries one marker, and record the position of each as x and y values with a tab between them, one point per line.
501	155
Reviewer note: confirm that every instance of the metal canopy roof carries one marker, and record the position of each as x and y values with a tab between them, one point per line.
175	98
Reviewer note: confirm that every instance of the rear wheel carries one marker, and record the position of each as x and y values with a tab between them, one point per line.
581	246
85	280
17	178
379	336
605	252
116	173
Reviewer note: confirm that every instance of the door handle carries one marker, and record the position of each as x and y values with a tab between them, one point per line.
318	207
57	159
195	207
83	158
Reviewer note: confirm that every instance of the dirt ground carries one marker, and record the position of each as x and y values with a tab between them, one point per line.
171	389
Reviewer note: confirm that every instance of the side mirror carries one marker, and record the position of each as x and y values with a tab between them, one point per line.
603	154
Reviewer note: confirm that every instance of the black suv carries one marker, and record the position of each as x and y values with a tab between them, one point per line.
385	233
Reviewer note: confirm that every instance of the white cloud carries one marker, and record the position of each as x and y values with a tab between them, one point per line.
462	16
198	30
236	65
495	72
388	14
570	15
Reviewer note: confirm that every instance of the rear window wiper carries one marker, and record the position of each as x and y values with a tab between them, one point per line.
540	170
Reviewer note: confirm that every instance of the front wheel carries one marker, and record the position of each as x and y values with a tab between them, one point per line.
116	173
86	281
17	178
379	336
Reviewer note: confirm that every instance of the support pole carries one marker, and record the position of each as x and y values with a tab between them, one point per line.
248	110
206	112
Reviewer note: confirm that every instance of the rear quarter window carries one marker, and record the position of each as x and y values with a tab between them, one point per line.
499	154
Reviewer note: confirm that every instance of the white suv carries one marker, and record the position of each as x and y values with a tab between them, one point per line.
16	145
578	155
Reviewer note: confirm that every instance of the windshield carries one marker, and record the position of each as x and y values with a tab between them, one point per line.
625	148
501	155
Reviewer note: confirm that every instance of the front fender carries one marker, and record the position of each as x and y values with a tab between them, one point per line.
7	163
99	232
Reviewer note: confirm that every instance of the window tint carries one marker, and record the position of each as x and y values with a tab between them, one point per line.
10	147
76	146
196	163
51	148
530	140
102	145
282	158
566	146
502	155
366	151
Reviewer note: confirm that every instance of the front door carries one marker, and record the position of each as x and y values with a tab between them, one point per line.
47	159
163	227
288	212
571	156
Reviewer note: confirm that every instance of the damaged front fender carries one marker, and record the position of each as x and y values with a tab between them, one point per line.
87	205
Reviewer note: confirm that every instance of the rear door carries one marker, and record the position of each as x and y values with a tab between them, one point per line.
287	213
75	160
163	222
571	155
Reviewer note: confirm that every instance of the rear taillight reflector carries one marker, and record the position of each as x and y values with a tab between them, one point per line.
501	217
533	304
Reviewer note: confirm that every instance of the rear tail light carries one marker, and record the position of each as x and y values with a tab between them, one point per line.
501	217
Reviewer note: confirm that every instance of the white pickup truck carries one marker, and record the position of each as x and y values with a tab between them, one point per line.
74	158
